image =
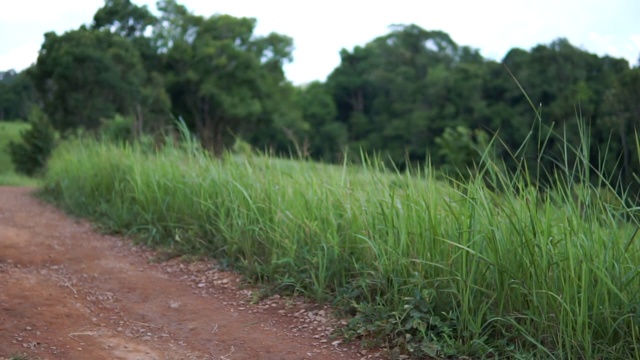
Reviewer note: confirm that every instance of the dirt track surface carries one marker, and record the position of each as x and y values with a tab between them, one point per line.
68	292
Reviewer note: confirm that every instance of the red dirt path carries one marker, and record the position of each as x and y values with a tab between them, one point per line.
68	292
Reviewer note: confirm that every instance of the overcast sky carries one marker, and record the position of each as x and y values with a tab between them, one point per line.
321	28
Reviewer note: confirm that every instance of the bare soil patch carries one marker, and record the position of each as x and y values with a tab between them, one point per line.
68	292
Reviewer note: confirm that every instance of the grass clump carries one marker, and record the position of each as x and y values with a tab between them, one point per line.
430	268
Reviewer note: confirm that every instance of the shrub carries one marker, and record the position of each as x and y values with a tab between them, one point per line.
460	149
29	156
118	129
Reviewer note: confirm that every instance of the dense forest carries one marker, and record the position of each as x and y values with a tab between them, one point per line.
410	96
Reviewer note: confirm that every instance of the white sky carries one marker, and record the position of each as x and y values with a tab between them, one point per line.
321	28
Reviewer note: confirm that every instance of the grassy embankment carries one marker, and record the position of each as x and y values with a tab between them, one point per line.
432	267
10	131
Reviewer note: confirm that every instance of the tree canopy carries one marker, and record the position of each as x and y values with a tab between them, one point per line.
411	94
222	77
84	76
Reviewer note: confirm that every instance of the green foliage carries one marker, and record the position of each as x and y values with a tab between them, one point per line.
402	91
397	94
84	76
118	129
17	95
327	138
222	78
30	154
242	148
9	131
124	18
461	149
425	267
13	179
151	110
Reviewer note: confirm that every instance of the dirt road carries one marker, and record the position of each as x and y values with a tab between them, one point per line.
68	292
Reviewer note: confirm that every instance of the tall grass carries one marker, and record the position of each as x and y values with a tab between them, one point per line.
431	267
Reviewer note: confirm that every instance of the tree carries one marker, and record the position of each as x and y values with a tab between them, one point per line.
622	118
327	137
221	77
400	91
566	86
86	75
17	95
124	18
175	24
134	23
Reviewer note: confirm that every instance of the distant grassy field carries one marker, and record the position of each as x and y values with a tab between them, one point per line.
426	267
10	131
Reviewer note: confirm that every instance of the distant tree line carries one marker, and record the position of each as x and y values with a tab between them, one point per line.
17	95
410	95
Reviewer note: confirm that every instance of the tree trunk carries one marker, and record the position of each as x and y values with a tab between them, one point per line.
205	128
207	135
218	144
210	130
137	124
626	174
357	101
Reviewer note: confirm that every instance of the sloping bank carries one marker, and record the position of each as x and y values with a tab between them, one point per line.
426	267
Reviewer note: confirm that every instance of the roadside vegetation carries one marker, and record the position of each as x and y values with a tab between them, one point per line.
10	132
494	266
